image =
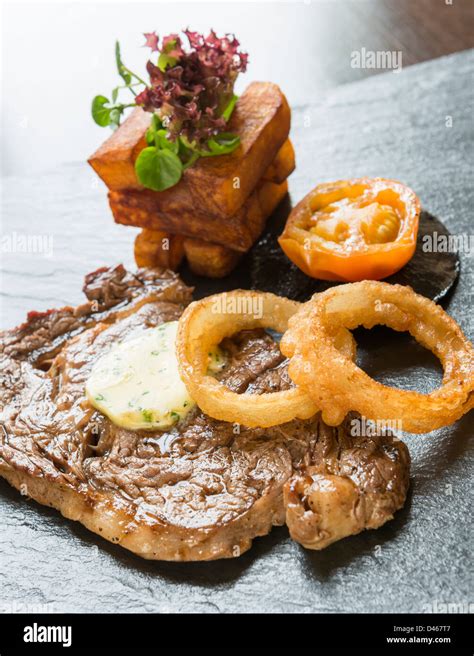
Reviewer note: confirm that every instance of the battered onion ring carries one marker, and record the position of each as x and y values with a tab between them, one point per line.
337	385
205	323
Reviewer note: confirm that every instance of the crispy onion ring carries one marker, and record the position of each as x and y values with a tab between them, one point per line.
205	323
337	385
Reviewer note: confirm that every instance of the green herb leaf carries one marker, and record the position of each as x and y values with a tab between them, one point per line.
165	61
155	125
189	162
227	113
115	115
168	54
158	169
101	113
221	144
186	154
150	137
115	94
162	142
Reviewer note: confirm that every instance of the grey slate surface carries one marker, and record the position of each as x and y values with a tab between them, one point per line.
392	126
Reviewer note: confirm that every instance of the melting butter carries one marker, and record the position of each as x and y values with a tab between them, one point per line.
137	384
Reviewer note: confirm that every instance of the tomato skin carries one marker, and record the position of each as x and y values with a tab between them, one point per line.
327	260
353	268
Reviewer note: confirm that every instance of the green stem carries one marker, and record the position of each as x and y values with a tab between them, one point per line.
191	160
135	75
127	86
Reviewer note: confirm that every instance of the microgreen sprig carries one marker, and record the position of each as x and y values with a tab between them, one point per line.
107	112
190	96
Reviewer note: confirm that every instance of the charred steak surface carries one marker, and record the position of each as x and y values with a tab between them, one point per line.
203	489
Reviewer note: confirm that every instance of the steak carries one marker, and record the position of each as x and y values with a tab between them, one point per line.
203	489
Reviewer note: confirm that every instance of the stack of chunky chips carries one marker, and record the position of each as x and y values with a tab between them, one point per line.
221	204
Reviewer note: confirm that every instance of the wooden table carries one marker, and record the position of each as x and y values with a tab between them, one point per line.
304	46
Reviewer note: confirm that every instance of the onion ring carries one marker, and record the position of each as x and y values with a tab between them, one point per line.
205	323
337	385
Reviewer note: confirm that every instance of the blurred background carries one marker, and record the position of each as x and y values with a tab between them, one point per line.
57	56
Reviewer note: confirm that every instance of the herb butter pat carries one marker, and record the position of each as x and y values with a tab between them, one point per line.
137	384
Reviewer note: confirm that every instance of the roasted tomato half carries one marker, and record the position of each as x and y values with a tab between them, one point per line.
349	230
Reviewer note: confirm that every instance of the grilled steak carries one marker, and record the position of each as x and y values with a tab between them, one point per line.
201	490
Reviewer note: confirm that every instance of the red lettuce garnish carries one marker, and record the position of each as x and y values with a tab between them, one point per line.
191	89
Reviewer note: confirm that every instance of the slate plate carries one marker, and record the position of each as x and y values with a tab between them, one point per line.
392	126
267	268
